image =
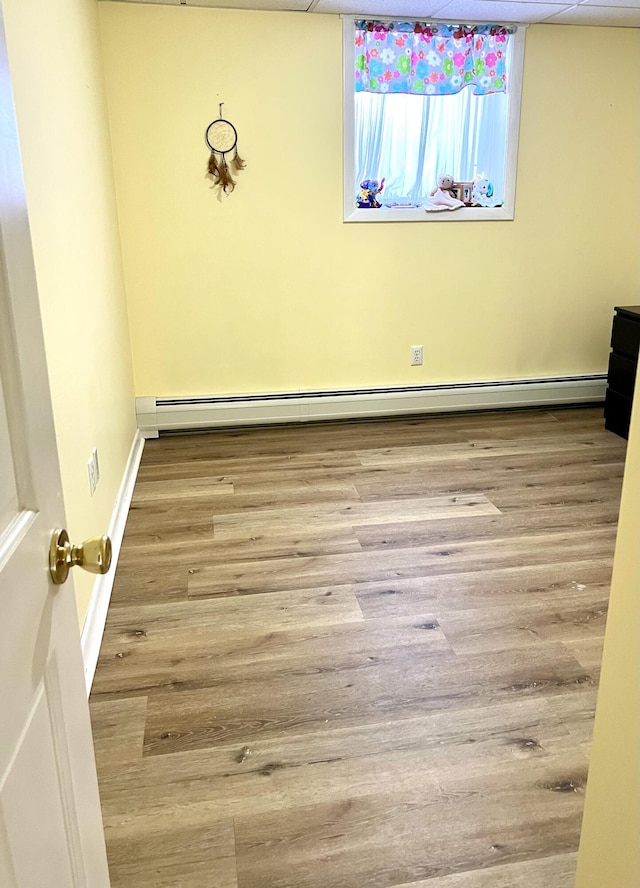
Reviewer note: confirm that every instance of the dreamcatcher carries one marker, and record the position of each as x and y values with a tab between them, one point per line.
222	138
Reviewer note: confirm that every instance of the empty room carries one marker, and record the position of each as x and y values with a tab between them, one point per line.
320	473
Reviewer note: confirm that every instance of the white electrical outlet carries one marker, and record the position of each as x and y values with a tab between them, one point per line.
92	476
94	471
416	355
94	454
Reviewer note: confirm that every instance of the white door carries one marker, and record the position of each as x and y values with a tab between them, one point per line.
50	824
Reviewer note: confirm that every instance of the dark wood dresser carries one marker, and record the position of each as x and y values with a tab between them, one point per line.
623	363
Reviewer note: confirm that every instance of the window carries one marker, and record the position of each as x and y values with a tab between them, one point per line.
424	100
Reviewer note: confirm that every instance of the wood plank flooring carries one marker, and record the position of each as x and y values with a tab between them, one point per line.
358	655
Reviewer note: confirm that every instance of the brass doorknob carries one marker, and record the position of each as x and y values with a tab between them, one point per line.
93	555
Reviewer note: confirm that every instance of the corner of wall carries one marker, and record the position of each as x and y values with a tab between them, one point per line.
609	855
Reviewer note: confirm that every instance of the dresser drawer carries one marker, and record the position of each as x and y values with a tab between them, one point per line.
617	413
625	337
621	376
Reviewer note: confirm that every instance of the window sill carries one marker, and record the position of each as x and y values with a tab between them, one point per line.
417	214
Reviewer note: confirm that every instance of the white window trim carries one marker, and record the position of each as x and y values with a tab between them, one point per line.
467	214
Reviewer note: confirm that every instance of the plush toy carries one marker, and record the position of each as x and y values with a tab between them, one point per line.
442	197
482	194
367	199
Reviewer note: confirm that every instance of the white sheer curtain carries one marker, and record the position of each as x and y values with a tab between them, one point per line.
410	140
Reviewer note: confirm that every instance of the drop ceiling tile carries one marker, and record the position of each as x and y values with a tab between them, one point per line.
417	9
272	5
633	4
602	16
157	2
498	11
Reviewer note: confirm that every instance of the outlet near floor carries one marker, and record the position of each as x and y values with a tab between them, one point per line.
416	355
94	471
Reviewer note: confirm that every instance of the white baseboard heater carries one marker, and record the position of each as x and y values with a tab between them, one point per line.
157	414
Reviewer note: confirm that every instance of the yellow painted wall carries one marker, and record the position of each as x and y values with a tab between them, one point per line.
610	842
55	60
269	290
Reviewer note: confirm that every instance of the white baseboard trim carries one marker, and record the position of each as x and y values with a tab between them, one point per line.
156	414
93	629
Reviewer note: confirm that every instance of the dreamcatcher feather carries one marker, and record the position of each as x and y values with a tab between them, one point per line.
222	138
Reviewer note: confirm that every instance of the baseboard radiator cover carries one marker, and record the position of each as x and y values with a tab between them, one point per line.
157	414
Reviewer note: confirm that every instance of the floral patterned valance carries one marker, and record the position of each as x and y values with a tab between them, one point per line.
430	59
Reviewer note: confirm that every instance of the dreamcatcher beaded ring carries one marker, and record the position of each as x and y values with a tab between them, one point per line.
222	138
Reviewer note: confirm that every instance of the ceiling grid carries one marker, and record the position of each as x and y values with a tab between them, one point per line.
601	13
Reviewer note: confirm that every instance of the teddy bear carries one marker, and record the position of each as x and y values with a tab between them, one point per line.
442	197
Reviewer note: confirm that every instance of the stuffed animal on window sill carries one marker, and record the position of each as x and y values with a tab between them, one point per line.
367	198
442	197
482	194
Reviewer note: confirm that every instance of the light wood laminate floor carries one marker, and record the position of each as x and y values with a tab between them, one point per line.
358	655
